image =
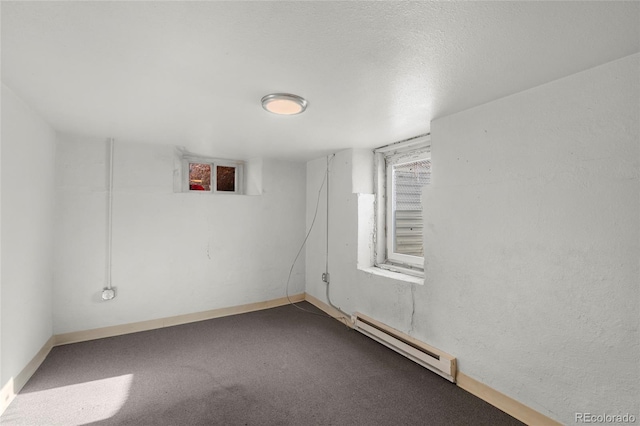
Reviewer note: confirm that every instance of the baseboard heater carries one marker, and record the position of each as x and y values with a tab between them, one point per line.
434	359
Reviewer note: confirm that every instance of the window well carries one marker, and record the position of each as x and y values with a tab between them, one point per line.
199	177
226	178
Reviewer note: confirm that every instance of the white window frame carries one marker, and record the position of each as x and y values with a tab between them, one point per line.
386	157
214	163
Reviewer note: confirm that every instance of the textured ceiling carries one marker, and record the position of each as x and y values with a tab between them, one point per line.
193	73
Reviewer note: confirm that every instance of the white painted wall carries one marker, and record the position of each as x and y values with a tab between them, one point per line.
173	253
532	244
2	382
28	154
353	288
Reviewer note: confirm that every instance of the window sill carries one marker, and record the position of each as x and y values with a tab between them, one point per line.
191	191
373	270
215	194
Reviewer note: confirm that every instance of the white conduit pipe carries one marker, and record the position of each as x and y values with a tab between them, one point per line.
109	293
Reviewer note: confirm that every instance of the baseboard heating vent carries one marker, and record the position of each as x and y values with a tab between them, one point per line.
429	357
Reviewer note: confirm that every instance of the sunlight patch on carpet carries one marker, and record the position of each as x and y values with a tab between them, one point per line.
89	401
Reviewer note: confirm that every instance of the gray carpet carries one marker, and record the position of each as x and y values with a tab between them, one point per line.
279	366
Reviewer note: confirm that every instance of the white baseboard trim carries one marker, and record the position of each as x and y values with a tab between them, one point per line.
501	401
14	385
329	310
118	330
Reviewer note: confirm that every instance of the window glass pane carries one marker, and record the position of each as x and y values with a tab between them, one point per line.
408	180
226	178
199	177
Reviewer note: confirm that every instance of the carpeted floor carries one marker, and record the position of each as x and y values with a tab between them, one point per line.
279	366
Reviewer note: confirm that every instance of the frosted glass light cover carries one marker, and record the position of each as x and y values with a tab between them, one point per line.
284	104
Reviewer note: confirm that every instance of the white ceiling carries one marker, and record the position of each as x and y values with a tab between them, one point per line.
193	73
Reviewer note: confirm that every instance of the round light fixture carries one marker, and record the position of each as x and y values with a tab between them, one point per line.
284	104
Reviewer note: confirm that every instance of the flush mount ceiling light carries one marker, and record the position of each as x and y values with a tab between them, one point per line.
284	104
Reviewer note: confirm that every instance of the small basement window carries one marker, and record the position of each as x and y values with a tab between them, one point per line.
212	175
403	169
